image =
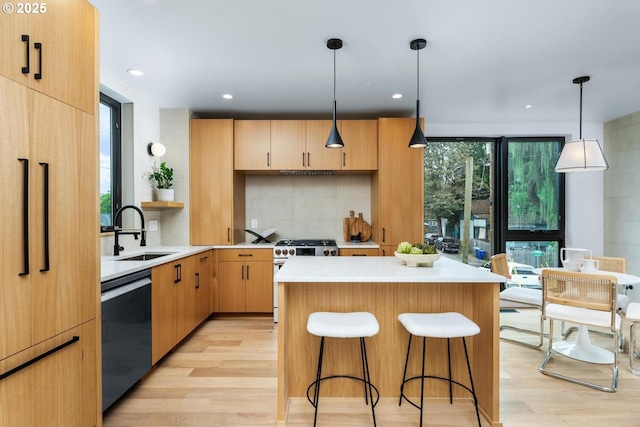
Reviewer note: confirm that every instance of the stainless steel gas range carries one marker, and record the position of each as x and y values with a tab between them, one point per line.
286	248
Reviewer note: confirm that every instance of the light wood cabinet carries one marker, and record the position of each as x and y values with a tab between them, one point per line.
49	258
397	199
288	146
359	252
53	51
252	144
320	157
216	199
245	281
180	301
58	390
360	151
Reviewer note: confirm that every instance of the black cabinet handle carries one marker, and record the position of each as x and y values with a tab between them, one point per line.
197	280
38	46
344	159
25	38
303	159
228	234
308	159
46	216
38	358
268	160
242	273
247	272
25	216
175	274
383	235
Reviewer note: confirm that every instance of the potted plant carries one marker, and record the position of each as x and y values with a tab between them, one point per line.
162	180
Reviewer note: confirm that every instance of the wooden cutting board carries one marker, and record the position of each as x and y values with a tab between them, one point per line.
351	226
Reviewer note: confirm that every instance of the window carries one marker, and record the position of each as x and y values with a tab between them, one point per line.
110	170
517	198
530	209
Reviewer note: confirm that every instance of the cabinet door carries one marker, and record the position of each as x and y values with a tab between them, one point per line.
400	184
163	310
61	52
211	182
231	287
288	148
387	250
360	151
320	157
252	144
259	287
203	286
15	296
59	390
359	252
185	297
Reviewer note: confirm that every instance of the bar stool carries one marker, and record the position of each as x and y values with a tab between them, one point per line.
438	325
633	314
343	325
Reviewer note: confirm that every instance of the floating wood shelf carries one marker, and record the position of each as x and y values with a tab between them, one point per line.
156	206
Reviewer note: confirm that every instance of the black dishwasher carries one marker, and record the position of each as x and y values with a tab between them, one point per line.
126	333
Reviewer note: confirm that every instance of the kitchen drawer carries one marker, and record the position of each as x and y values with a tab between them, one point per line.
202	258
245	254
359	252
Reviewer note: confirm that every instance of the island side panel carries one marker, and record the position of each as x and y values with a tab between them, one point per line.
387	349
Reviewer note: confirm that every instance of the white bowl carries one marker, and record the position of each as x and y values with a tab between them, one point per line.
418	260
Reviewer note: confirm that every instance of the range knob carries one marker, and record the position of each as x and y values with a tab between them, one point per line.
278	251
333	252
325	252
292	252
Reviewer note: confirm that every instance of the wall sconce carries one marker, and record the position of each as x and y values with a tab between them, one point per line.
156	149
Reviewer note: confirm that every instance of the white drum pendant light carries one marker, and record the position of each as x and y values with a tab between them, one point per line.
581	155
418	140
335	140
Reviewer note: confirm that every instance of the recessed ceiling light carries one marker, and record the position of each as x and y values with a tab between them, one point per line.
135	72
528	106
370	84
227	96
396	96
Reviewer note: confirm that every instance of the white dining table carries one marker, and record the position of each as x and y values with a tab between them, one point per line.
581	347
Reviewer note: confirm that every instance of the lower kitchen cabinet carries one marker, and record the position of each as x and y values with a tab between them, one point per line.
387	250
245	281
58	390
180	299
359	252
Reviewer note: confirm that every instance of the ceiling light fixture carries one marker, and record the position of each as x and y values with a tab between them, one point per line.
396	96
581	155
227	96
418	140
156	149
335	140
135	72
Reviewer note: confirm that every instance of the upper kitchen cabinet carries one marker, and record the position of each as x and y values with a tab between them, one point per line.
216	190
320	157
397	189
51	47
252	144
360	151
288	146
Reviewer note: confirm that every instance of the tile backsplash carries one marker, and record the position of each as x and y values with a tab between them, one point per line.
304	207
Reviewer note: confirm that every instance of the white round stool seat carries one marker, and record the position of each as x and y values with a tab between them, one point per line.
342	325
633	311
438	325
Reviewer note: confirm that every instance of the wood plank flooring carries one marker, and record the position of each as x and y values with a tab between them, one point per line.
224	375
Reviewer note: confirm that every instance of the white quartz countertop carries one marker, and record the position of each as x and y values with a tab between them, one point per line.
380	269
111	268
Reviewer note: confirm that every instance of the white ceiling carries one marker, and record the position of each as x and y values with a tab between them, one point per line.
484	61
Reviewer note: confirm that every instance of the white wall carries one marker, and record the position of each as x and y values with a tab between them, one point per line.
584	222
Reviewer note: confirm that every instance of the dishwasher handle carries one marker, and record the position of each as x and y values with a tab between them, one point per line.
124	289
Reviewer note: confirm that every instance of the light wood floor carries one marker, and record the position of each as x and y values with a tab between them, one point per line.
224	375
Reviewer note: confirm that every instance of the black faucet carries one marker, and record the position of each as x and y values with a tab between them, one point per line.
143	233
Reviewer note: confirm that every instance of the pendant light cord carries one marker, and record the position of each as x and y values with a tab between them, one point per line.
334	85
580	109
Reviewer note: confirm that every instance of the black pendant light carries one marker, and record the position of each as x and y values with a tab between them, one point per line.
418	140
335	140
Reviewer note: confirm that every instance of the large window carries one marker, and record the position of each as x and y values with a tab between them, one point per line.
110	171
516	198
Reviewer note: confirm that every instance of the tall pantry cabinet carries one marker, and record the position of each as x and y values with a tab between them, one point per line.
397	189
49	256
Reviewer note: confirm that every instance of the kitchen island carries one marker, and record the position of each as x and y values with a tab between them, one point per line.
386	288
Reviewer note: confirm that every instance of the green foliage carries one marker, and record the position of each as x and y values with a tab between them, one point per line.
105	203
162	177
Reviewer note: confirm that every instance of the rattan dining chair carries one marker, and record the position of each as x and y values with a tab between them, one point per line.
585	299
530	298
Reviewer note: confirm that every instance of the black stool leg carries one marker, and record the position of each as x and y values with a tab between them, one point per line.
424	345
449	362
364	374
473	389
367	380
404	375
316	392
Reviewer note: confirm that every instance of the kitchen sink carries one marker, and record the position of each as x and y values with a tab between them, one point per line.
145	257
